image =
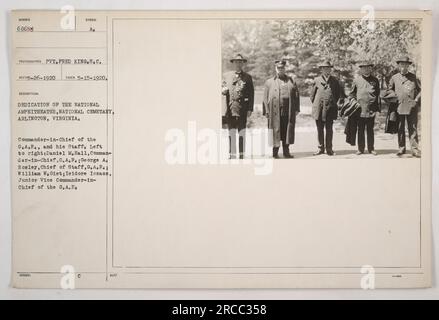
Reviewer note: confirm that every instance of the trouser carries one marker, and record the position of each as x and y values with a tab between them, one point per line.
236	126
368	124
412	126
321	127
283	136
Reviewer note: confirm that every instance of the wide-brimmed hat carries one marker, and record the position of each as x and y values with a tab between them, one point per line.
325	63
405	59
280	63
238	57
365	63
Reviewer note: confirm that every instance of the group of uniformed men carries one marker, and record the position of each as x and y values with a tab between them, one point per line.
281	104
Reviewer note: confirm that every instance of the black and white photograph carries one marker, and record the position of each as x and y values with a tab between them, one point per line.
255	151
323	88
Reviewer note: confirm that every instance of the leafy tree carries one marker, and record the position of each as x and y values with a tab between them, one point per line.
304	43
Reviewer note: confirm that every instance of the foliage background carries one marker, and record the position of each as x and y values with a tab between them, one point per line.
305	43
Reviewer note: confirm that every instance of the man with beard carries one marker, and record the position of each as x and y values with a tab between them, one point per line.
281	104
408	92
326	94
366	90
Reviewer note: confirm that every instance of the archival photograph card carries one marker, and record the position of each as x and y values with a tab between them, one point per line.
221	149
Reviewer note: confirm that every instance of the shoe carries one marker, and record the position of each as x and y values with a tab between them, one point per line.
275	156
241	156
232	156
416	154
330	153
287	155
319	152
359	153
400	152
373	152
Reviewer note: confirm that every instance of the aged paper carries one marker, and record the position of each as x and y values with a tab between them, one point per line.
121	176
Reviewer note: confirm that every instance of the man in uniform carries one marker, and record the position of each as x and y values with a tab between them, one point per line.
366	90
238	88
408	92
326	94
281	104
